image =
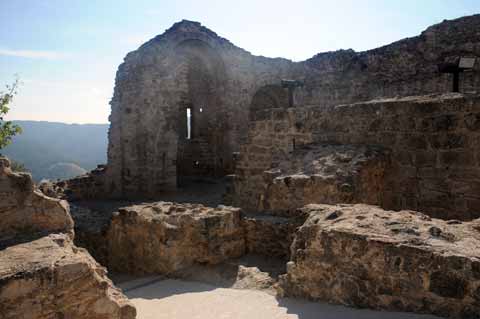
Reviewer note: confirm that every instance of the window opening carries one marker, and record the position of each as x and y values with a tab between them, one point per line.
189	123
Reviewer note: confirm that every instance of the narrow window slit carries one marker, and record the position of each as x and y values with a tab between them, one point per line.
189	123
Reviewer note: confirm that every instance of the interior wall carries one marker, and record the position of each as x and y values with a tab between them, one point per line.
432	141
187	66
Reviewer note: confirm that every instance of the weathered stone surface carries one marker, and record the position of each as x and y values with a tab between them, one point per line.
363	256
189	67
248	272
186	68
26	212
325	174
433	167
51	278
253	278
164	237
263	234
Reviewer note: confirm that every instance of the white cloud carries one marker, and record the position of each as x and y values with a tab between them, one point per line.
34	54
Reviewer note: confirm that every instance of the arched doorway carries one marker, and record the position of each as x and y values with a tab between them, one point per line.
202	149
268	97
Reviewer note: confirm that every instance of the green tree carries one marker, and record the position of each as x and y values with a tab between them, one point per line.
7	128
18	167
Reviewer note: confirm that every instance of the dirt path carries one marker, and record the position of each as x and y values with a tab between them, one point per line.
177	299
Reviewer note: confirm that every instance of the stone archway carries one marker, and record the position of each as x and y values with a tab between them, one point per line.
187	68
268	97
202	150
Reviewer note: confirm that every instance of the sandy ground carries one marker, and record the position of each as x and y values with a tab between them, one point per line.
155	298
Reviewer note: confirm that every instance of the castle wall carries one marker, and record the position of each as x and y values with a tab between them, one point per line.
434	166
187	67
403	68
191	67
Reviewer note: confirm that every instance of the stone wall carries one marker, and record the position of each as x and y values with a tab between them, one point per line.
187	67
84	187
26	213
323	173
434	167
190	67
363	256
403	68
165	238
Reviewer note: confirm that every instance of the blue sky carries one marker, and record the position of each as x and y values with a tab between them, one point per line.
66	52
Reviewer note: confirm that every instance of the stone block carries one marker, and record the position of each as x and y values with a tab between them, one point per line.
364	256
25	212
163	238
322	173
51	278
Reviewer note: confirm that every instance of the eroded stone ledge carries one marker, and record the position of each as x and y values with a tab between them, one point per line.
26	213
364	256
51	278
328	174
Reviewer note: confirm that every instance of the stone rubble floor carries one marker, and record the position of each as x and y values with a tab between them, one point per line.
213	291
157	298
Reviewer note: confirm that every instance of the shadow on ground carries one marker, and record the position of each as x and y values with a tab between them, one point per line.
304	309
155	297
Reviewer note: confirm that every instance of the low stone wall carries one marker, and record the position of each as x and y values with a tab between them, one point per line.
164	238
363	256
434	167
212	234
85	187
325	174
50	277
26	213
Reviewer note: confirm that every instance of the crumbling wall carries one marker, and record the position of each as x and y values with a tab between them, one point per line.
403	68
165	238
84	187
187	67
190	67
324	173
363	256
432	140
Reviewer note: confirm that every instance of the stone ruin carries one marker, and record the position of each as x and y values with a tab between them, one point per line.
356	172
42	273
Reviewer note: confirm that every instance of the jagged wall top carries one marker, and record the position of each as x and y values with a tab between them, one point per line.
191	66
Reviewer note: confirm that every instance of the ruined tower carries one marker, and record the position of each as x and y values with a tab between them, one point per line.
182	101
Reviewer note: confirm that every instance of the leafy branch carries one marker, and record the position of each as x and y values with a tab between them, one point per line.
7	128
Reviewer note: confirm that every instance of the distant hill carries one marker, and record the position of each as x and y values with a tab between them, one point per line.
58	150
